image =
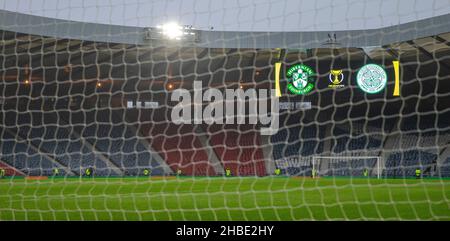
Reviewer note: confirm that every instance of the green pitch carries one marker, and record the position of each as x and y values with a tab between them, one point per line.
267	198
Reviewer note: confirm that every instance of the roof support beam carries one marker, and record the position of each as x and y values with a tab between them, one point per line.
202	54
442	40
396	55
367	58
428	54
43	46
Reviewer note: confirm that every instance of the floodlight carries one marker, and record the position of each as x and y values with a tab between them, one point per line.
172	31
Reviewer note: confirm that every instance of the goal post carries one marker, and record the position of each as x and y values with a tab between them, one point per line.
349	166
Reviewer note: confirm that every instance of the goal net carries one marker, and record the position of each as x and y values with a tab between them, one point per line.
200	110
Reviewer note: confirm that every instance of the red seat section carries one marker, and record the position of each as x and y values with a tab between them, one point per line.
9	170
179	146
239	148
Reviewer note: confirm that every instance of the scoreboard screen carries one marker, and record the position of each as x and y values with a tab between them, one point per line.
304	80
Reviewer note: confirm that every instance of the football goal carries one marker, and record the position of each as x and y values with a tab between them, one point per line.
347	166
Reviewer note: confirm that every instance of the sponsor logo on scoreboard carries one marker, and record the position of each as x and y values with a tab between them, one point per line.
371	78
295	105
142	104
300	79
336	77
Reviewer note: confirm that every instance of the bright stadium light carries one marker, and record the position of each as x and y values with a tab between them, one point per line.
172	31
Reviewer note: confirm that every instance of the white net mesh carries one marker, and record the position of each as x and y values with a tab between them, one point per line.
118	122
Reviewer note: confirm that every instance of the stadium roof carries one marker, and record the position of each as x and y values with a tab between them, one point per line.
232	15
377	36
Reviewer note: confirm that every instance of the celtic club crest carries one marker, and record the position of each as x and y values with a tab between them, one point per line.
300	79
371	78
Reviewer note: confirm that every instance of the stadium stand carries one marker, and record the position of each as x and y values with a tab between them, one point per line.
10	170
404	164
181	152
238	148
19	154
119	143
296	140
445	168
74	115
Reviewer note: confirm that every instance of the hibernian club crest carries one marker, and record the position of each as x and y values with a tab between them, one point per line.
371	78
300	79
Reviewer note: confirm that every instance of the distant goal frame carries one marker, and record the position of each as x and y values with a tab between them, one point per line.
378	158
